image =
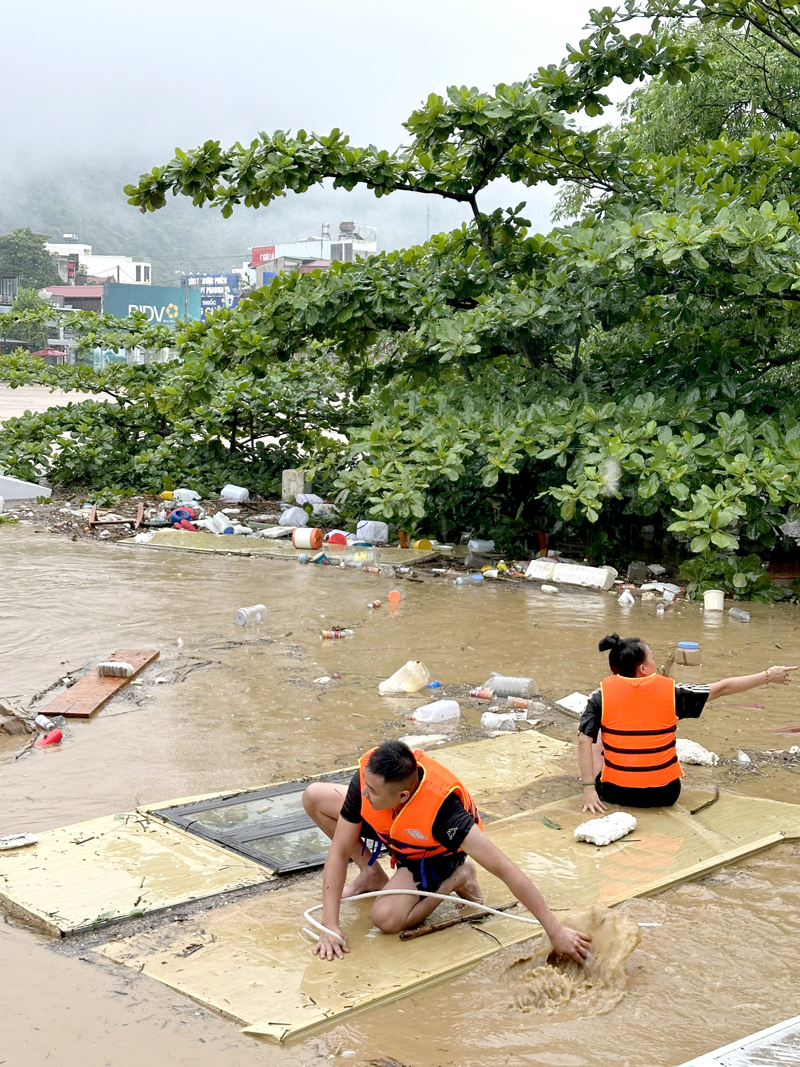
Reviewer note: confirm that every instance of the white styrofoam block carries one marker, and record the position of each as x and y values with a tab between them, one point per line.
604	831
549	570
16	489
575	704
691	752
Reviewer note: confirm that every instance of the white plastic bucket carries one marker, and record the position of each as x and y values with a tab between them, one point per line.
714	600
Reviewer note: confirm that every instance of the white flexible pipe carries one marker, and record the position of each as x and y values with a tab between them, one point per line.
412	893
421	893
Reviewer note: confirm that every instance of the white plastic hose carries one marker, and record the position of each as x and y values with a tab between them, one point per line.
411	893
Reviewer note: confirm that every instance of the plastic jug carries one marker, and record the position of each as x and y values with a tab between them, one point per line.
234	494
437	711
411	677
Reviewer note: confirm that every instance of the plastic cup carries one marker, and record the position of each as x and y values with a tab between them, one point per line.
714	600
394	596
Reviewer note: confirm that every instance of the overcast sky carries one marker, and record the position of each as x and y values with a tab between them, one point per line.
93	80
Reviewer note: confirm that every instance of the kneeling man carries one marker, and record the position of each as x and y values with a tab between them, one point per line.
418	810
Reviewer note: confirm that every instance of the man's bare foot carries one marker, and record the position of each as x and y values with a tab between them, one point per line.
467	884
371	880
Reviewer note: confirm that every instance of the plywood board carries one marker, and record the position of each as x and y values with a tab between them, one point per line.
255	964
187	541
90	693
119	866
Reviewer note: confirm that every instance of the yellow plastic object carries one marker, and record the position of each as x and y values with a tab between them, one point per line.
423	544
91	873
255	965
167	494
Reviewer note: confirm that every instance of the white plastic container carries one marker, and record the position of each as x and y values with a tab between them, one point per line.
377	533
255	613
185	496
548	570
2	505
627	599
307	537
293	517
438	711
480	547
714	600
234	494
411	677
490	720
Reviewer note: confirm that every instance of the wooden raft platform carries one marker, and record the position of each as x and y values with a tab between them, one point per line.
90	693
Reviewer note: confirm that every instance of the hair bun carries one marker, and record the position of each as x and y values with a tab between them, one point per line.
609	641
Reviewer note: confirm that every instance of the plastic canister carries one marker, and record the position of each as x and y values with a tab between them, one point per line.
714	600
740	614
293	517
307	537
411	677
507	685
627	599
185	496
437	711
234	494
476	545
255	613
687	654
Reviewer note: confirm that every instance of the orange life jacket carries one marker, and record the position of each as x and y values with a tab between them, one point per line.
408	833
638	725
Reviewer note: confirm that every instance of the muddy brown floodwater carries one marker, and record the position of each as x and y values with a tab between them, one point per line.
227	707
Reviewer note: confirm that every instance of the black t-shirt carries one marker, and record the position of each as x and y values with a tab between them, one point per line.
689	703
452	823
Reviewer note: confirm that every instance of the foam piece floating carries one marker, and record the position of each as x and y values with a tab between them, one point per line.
604	831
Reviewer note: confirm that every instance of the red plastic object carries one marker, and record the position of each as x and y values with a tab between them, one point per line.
394	597
337	539
52	738
184	524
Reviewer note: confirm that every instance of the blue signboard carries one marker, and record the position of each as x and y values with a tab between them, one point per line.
216	291
161	303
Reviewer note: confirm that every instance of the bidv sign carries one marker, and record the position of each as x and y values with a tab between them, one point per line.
162	304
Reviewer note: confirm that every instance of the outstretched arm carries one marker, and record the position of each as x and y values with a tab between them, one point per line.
565	941
334	874
729	686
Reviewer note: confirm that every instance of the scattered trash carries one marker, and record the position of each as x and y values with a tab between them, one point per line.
627	599
185	496
374	604
688	654
741	756
491	720
166	495
604	831
307	537
691	752
410	678
394	596
376	533
294	517
794	750
255	613
506	685
476	545
333	634
323	680
115	669
458	581
550	824
438	711
670	592
143	538
575	704
552	590
105	534
234	494
53	738
44	722
491	572
434	685
476	577
17	841
482	693
423	543
336	537
418	740
739	614
336	675
550	570
656	569
714	600
303	557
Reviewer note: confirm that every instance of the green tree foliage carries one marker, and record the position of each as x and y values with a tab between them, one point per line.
23	251
32	332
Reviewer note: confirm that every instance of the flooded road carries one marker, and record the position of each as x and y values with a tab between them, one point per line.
227	707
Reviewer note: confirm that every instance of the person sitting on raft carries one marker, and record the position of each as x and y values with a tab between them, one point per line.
635	712
418	810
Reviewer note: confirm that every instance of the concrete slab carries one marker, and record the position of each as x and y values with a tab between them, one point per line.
16	489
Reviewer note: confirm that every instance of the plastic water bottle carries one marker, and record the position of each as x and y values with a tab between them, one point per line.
740	614
507	685
255	613
44	723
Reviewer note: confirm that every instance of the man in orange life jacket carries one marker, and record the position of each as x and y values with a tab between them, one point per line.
412	805
636	713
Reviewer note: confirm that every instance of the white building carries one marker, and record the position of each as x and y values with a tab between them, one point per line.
73	259
352	242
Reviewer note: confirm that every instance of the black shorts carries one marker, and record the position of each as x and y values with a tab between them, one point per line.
659	796
428	874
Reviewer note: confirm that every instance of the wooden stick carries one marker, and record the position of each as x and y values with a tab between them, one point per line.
443	924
